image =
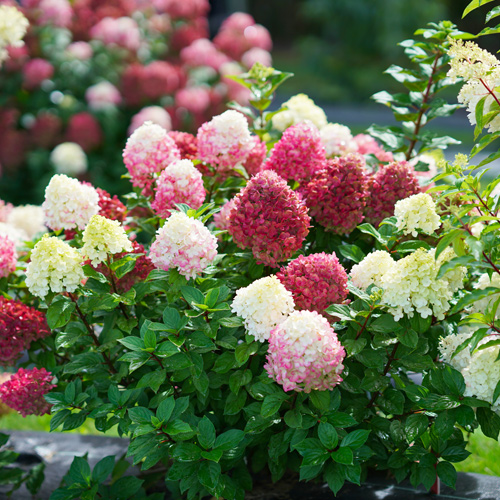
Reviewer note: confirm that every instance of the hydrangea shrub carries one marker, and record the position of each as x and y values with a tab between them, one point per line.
273	328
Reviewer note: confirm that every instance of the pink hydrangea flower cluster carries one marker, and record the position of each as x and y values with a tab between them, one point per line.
122	32
183	243
336	195
391	183
56	12
269	218
256	55
84	130
305	354
149	150
80	50
46	130
35	71
19	326
102	96
187	144
8	256
225	140
239	33
255	160
24	391
195	99
368	145
180	182
203	52
183	9
154	114
221	219
298	154
316	281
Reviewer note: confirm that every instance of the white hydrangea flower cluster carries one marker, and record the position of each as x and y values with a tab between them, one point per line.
410	284
481	72
13	27
449	344
300	108
371	269
417	212
481	370
27	218
183	243
481	305
69	203
54	266
104	236
337	140
16	234
263	305
69	158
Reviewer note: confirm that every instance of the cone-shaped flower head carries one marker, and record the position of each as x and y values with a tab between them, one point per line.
225	140
371	269
149	150
316	281
68	203
336	195
54	266
24	391
305	354
180	182
263	305
103	237
183	243
298	154
269	218
391	183
417	212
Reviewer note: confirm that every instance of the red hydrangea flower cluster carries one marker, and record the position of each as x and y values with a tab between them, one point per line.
315	281
298	154
203	52
111	207
391	183
239	33
255	160
85	130
149	83
186	143
143	266
269	218
337	194
46	130
183	9
24	391
19	326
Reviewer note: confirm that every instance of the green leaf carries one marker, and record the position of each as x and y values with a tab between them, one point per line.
446	240
235	402
192	295
140	415
474	5
231	322
126	487
408	337
229	439
152	380
352	252
59	311
340	419
209	475
293	418
415	426
453	264
171	318
165	409
335	477
385	324
206	436
328	435
447	473
272	403
103	469
79	470
489	422
35	478
58	419
186	452
132	343
471	297
355	439
343	455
